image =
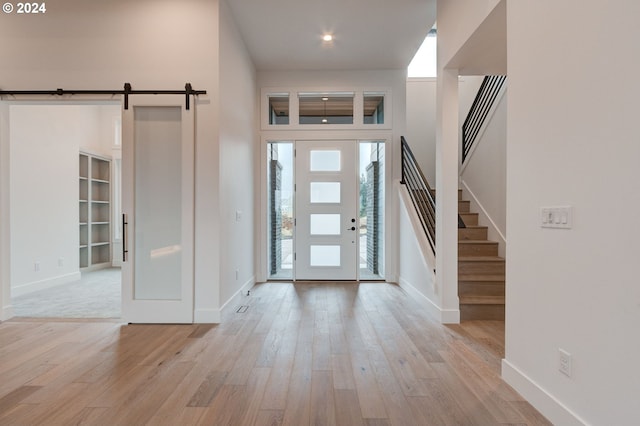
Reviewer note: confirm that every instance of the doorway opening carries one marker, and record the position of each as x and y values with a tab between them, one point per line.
325	210
64	203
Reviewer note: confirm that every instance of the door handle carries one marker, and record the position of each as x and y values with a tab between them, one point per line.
124	237
353	228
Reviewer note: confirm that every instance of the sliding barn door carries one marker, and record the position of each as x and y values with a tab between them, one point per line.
158	210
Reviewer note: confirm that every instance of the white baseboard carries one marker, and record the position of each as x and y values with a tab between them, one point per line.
214	316
547	404
207	316
450	316
6	312
23	289
236	300
444	316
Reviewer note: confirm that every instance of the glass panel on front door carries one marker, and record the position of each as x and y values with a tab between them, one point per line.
324	192
324	256
325	224
325	161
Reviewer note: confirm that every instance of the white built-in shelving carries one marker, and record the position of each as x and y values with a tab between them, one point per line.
95	211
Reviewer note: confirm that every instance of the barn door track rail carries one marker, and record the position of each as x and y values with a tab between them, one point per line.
127	91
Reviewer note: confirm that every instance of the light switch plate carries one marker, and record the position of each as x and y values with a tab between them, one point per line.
556	217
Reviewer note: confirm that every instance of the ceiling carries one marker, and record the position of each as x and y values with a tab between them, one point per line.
368	34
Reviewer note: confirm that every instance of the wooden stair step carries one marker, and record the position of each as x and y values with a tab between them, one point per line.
477	248
474	312
481	288
492	265
481	272
481	277
472	232
469	219
481	258
481	300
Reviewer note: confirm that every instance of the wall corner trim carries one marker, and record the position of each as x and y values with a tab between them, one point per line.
543	401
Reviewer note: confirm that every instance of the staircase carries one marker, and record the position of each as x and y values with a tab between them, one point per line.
480	269
481	272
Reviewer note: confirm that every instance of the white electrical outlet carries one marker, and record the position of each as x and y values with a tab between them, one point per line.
237	274
36	266
60	262
564	362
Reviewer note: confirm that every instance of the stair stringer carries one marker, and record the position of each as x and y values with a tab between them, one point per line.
484	219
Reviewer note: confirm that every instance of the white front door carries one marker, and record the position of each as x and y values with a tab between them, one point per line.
158	207
326	244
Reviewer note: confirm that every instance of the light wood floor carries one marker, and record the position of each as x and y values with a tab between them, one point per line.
335	354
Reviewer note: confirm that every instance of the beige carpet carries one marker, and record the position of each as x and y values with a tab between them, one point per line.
95	295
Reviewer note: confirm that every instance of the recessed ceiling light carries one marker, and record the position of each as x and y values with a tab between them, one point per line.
327	37
325	99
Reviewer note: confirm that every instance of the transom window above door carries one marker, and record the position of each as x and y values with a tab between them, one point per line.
287	108
326	108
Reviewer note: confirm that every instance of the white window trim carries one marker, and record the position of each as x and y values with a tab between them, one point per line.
358	108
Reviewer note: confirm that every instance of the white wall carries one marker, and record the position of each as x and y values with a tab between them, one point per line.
416	264
238	144
421	118
153	45
44	192
457	20
421	124
108	116
468	87
573	140
484	175
5	235
44	144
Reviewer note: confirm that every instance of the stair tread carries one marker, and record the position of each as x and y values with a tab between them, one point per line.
481	277
482	300
474	227
477	242
481	258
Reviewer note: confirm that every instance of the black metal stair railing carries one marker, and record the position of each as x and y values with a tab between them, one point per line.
480	108
420	192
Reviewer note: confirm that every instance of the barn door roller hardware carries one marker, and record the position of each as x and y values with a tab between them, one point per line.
128	91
